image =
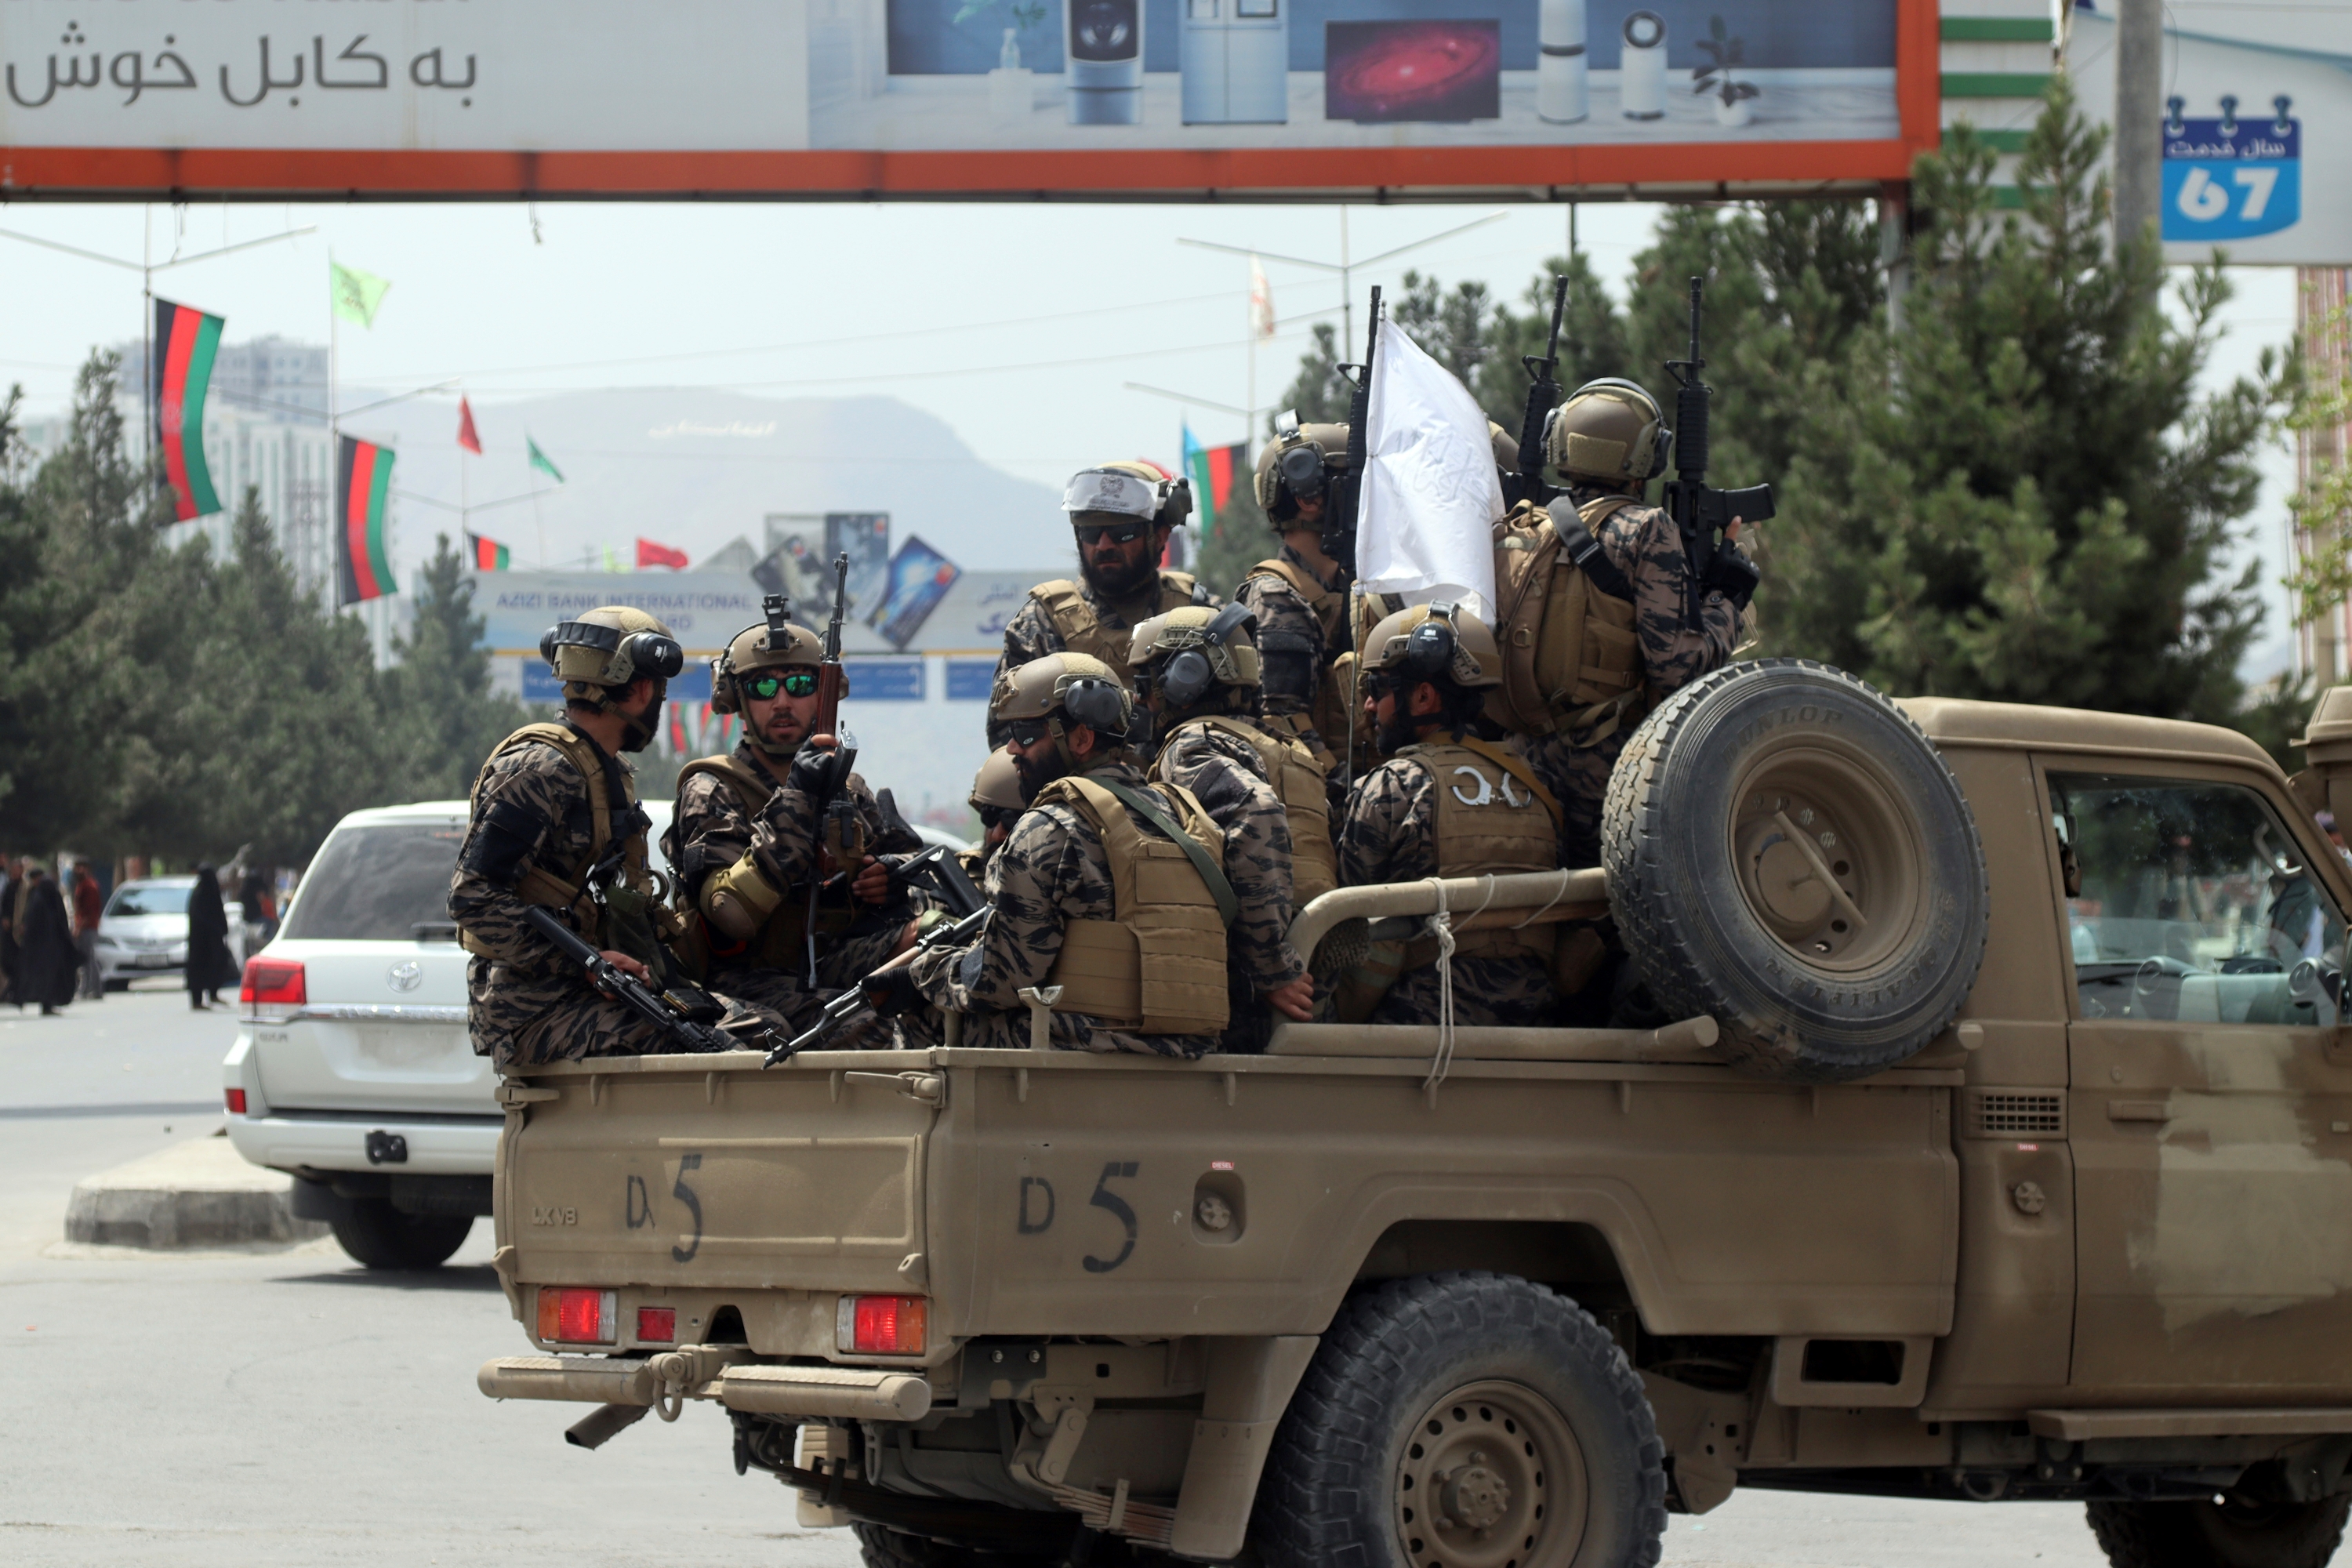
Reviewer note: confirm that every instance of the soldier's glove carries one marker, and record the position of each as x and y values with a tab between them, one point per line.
893	991
1731	574
811	772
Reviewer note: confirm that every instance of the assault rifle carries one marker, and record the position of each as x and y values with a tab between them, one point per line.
938	867
855	1003
1700	513
1543	396
683	1014
1344	494
840	831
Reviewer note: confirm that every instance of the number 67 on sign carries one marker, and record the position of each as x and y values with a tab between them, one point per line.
2226	179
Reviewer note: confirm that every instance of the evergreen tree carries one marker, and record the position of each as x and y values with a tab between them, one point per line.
2019	495
438	693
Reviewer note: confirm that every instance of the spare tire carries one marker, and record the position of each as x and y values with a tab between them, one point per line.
1787	854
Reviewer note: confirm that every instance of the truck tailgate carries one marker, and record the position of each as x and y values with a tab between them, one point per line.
696	1172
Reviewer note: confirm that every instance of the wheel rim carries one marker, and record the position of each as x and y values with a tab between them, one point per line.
1828	861
1490	1477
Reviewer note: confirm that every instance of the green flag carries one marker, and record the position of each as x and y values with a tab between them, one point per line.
357	295
539	460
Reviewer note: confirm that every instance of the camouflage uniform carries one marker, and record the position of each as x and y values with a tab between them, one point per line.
1226	774
1052	870
713	832
526	1004
1031	634
1645	544
1283	616
1391	835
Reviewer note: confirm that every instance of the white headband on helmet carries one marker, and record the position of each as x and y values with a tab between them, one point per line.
1108	490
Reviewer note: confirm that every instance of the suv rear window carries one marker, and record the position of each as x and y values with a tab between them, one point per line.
381	882
151	898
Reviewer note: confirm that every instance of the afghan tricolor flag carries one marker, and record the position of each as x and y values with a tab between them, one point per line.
1211	471
363	504
487	554
180	369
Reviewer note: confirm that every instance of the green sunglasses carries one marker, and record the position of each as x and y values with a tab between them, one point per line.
790	682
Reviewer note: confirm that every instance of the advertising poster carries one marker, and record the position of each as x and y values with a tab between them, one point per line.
864	538
920	579
2257	127
961	96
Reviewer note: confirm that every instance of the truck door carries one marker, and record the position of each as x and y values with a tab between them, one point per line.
2209	1105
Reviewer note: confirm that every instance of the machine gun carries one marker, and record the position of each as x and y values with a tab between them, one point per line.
1700	513
1339	513
1543	396
856	1002
682	1013
841	831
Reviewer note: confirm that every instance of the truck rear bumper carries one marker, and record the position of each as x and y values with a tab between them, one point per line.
852	1392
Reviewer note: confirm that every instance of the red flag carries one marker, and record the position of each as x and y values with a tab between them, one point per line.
466	437
651	554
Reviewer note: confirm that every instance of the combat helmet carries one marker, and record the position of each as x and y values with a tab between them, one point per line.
1301	460
997	786
1435	642
1128	487
1073	686
1611	430
597	655
1187	651
776	644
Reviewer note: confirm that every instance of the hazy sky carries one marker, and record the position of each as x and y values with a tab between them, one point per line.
1019	324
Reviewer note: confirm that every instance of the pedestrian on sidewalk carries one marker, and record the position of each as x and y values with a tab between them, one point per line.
210	967
89	904
47	962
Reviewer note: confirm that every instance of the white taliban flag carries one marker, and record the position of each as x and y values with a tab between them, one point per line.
1430	493
1261	302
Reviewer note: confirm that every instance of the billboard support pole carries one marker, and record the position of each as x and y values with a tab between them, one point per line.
2139	123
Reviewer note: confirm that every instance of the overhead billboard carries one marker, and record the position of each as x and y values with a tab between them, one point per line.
948	98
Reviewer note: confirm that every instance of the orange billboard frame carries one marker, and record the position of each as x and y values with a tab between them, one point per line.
1687	171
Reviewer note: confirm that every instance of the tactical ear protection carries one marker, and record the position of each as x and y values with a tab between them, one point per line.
724	697
1190	673
1299	463
628	657
1100	705
1429	646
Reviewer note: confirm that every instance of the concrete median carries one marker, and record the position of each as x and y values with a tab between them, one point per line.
192	1194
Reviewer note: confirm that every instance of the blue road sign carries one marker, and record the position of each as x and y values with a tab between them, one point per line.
2229	178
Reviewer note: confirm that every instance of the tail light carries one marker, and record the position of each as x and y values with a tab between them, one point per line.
237	1103
272	982
657	1325
883	1325
569	1315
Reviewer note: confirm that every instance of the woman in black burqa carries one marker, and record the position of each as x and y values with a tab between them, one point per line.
47	963
210	967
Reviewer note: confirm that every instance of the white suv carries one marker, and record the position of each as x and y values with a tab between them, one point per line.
354	1071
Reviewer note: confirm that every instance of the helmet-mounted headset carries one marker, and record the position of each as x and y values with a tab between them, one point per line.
629	656
1190	673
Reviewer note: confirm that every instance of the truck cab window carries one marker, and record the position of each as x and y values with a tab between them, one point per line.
2190	901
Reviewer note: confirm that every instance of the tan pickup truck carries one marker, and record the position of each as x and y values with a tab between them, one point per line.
1992	1140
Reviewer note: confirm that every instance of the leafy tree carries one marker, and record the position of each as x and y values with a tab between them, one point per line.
440	691
1241	539
2019	495
2322	508
1318	392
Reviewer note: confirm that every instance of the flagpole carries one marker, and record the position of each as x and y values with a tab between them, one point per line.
334	435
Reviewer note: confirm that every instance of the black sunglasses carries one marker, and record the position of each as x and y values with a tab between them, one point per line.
1090	534
1028	732
790	682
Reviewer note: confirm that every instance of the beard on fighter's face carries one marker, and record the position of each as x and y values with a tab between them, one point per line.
1120	576
1035	774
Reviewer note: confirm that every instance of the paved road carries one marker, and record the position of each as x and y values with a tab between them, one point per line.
291	1408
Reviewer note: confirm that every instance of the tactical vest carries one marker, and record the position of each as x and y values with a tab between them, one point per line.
1571	658
1299	781
1082	631
1158	966
781	940
1334	709
624	923
1493	817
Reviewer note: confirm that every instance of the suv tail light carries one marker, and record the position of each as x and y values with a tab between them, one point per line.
237	1103
883	1325
272	982
572	1315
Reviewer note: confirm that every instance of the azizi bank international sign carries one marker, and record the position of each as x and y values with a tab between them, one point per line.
187	99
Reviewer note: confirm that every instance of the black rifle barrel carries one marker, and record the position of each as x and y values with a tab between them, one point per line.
627	989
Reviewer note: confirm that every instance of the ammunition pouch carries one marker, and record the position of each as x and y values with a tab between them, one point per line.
739	900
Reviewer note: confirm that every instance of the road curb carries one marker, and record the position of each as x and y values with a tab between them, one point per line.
192	1194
